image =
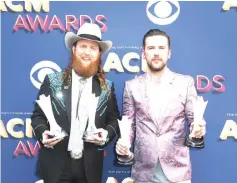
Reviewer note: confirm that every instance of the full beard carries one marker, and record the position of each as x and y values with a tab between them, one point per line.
85	71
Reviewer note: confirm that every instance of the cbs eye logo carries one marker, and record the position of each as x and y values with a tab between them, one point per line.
162	10
45	67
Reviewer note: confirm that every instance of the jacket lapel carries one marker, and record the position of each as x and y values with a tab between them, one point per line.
96	87
67	92
145	96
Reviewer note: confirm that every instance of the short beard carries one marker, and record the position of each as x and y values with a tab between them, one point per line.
153	69
85	71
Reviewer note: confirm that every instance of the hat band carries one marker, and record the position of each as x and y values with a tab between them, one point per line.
89	36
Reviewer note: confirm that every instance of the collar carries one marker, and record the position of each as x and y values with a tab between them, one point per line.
77	77
167	76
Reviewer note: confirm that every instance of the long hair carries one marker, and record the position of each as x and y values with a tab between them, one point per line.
101	76
67	75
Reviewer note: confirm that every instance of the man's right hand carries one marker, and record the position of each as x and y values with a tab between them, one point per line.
122	147
48	140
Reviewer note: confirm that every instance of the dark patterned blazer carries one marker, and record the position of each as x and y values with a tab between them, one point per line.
50	162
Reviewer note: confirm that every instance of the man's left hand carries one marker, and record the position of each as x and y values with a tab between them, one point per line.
99	137
198	130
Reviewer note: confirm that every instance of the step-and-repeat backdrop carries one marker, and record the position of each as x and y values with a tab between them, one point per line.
204	45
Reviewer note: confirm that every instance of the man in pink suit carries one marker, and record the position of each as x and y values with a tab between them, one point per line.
158	104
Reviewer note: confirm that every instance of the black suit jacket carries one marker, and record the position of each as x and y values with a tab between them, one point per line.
51	161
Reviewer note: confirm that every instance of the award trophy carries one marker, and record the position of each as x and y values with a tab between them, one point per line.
91	129
199	107
125	126
46	106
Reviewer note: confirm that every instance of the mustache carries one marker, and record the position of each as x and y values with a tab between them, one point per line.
87	56
156	58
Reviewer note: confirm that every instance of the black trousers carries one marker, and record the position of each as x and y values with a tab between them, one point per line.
74	171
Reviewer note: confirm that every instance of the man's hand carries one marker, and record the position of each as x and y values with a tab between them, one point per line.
99	137
122	147
198	130
49	140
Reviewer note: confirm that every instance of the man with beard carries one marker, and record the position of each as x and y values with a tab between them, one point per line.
75	158
158	104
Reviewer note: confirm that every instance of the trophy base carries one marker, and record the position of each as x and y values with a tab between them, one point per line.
127	160
194	142
87	136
